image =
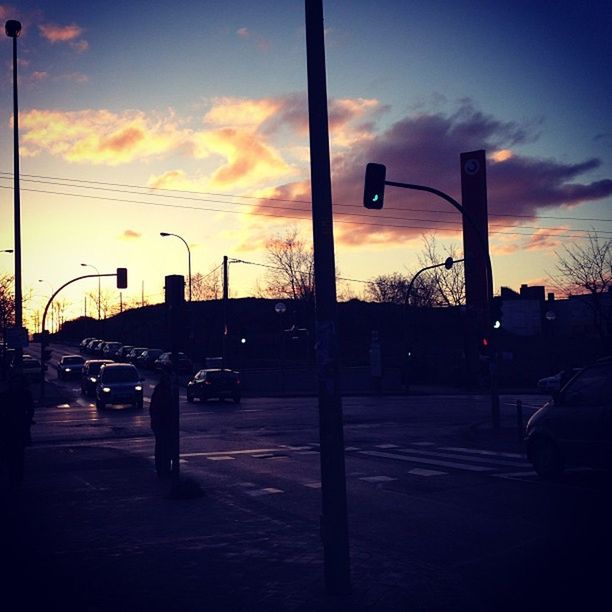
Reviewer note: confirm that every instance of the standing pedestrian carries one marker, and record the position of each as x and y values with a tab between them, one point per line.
161	424
16	413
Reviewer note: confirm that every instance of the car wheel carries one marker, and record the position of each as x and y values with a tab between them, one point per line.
546	459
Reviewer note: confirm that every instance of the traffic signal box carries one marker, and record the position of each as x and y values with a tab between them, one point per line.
374	186
122	278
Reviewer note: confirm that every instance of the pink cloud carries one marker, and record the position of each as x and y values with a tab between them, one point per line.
58	33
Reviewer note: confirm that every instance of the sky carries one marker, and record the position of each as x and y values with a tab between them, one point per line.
191	118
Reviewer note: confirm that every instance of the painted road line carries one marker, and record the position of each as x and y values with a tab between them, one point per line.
221	458
249	451
424	472
377	478
489	460
450	464
266	491
313	485
482	452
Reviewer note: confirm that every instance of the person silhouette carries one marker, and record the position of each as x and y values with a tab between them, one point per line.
160	411
16	414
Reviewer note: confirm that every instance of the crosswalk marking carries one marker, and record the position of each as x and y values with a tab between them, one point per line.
452	464
477	451
474	459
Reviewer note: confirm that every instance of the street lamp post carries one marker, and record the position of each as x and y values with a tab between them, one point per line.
163	235
99	295
42	280
13	29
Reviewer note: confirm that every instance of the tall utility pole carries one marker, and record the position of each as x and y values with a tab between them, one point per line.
225	305
334	521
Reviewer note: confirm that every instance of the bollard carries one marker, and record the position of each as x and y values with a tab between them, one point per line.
519	417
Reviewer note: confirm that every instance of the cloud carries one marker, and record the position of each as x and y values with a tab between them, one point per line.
424	149
57	33
80	46
130	234
243	32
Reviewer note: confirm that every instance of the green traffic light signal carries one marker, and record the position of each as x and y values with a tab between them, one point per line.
374	186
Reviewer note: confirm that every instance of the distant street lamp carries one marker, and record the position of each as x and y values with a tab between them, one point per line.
6	251
163	235
13	29
97	272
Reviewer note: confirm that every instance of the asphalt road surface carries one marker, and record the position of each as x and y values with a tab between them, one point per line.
443	512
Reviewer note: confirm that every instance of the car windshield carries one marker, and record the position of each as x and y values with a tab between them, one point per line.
72	360
214	376
110	375
592	387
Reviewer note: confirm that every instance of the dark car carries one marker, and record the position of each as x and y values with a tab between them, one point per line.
89	375
147	358
70	366
219	383
118	383
575	427
91	346
183	366
122	353
109	350
135	353
83	344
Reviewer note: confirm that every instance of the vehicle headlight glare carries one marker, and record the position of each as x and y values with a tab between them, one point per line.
106	389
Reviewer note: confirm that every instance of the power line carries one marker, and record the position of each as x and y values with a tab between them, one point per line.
262	214
258	198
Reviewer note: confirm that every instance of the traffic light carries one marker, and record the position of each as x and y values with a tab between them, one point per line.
374	187
122	278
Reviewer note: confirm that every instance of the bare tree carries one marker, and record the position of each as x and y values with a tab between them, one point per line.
7	301
449	284
207	286
388	288
291	273
587	270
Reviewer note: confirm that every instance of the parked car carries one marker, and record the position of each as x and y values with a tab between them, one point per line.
83	344
134	353
575	427
123	352
219	383
147	358
164	362
119	383
558	380
89	375
70	366
31	368
109	350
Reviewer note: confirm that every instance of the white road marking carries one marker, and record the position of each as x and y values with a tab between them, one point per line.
489	460
313	485
423	472
266	491
237	452
221	458
377	478
451	464
482	452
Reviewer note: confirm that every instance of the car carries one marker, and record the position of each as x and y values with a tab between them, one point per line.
70	366
92	346
549	384
147	358
217	382
109	350
89	375
164	362
119	383
135	352
31	368
83	344
574	428
122	353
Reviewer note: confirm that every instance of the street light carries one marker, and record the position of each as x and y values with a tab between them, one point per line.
98	273
6	251
13	29
163	235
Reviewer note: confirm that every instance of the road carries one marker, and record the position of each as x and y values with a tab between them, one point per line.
446	507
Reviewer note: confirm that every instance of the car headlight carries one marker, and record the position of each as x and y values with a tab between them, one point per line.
138	388
92	379
106	389
67	369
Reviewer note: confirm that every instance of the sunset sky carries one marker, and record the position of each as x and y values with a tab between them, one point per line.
190	117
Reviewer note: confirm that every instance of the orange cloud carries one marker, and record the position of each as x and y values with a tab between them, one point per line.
56	33
99	136
242	112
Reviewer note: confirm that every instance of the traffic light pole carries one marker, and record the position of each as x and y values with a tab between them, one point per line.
334	519
495	418
43	335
